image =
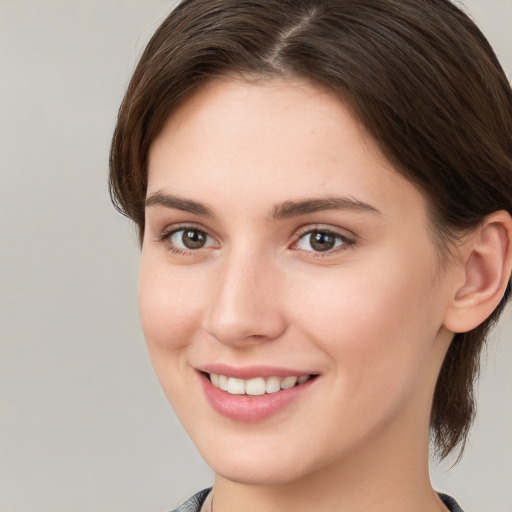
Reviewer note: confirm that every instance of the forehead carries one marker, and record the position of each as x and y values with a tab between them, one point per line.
235	108
261	141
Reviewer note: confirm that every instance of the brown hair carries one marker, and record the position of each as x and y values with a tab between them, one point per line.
419	75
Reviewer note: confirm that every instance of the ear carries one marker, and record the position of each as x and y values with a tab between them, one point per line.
486	264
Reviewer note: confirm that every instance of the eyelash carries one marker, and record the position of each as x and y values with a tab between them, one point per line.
165	238
346	242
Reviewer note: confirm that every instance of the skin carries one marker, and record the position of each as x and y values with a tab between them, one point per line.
368	317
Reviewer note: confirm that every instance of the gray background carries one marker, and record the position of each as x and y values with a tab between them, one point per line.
83	423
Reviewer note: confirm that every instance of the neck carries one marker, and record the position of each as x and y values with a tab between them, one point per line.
390	475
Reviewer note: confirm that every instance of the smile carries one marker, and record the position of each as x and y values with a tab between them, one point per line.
257	386
255	398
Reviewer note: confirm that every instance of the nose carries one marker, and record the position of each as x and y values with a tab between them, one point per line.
244	306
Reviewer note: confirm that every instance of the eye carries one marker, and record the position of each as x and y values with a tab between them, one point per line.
189	239
320	241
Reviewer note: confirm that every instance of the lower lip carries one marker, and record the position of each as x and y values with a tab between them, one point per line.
250	408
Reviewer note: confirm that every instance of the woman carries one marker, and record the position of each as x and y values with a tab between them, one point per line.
323	195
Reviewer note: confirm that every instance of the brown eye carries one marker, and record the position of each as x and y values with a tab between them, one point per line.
190	239
320	241
193	239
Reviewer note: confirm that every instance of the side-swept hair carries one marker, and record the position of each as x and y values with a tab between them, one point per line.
418	74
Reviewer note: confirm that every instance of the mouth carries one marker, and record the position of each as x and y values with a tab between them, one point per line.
253	394
257	386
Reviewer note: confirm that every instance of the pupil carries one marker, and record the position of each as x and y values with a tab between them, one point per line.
322	241
194	239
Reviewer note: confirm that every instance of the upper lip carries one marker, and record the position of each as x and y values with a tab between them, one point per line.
251	372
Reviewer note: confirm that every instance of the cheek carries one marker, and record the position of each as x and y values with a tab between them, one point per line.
377	327
169	305
169	309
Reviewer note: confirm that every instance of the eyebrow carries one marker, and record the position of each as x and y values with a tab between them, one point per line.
302	207
284	210
178	203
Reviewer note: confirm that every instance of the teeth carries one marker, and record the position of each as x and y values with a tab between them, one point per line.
223	382
273	384
257	386
215	379
236	386
289	382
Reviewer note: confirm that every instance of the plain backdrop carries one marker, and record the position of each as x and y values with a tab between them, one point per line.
84	425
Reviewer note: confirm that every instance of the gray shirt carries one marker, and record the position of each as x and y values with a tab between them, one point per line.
195	503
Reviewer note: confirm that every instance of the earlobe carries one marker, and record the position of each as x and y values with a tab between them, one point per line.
486	263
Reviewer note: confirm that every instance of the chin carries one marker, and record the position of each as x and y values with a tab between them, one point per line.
253	473
260	464
252	464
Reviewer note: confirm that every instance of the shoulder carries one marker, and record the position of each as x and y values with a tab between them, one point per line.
452	505
194	503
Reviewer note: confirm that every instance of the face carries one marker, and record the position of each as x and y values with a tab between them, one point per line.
289	286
